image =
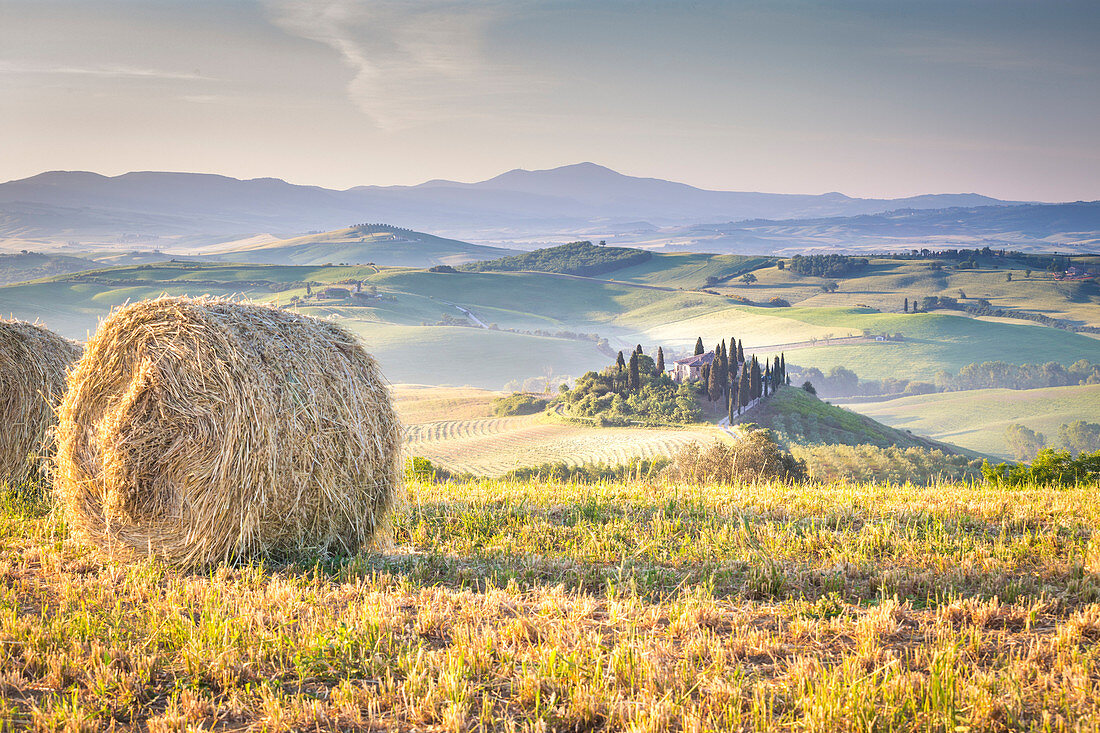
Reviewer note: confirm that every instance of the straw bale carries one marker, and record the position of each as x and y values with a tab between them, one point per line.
33	362
204	430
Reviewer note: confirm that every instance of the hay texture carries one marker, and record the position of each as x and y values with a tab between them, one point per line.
205	430
33	363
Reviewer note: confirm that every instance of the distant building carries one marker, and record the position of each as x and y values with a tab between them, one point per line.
335	293
691	368
1075	273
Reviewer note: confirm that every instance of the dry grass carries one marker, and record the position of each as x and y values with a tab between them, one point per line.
202	430
33	364
529	606
494	446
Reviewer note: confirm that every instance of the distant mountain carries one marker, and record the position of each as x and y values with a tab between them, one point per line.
519	205
376	243
1072	227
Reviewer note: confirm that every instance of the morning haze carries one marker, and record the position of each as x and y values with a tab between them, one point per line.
539	365
870	99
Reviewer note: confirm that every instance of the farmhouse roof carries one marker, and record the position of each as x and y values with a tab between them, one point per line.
697	360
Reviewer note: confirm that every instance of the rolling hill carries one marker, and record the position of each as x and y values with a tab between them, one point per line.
521	325
376	243
799	417
976	419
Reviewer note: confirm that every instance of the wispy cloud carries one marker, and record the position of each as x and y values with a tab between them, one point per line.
108	71
413	60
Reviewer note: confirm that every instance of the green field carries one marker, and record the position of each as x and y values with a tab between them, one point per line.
688	271
800	417
932	341
977	419
885	284
623	313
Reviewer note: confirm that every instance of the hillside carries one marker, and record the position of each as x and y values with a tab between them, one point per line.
800	417
976	419
565	316
21	266
574	258
376	243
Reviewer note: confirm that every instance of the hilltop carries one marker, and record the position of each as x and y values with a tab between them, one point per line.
379	244
800	417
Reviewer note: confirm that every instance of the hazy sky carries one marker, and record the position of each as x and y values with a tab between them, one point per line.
875	98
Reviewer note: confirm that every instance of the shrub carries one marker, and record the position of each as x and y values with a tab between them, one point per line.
756	455
1050	467
808	387
518	404
419	468
779	302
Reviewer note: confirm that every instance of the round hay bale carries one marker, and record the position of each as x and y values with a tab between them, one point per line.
33	363
205	430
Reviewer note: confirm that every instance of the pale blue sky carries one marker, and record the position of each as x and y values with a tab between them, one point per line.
876	98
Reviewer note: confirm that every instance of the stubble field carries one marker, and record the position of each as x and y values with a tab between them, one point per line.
534	606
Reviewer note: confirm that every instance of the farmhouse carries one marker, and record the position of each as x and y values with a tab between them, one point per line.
335	293
691	368
1075	273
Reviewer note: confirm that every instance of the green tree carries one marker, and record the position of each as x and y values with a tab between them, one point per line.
906	305
660	368
743	396
1080	436
754	379
634	381
620	362
740	352
714	380
699	346
1024	442
748	278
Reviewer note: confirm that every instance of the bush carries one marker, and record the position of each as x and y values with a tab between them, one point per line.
779	302
518	404
808	387
442	268
418	468
639	468
756	456
1050	467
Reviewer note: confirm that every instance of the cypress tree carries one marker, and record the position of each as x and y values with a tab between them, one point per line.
782	368
775	373
740	352
714	386
733	404
743	390
634	379
767	378
723	371
639	349
754	379
620	362
706	374
699	346
660	368
907	305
